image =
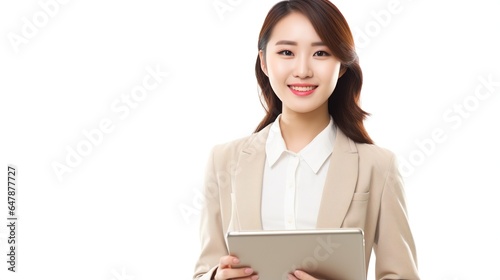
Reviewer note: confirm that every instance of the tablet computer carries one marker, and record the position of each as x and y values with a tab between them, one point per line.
332	254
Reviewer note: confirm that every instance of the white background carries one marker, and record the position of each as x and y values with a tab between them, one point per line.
130	208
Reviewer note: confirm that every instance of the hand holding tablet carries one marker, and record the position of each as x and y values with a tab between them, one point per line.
228	269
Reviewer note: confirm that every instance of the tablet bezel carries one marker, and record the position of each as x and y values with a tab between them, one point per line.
252	246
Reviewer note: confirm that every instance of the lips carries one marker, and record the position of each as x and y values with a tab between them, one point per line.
302	89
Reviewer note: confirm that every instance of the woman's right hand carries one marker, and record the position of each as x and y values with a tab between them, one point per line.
225	270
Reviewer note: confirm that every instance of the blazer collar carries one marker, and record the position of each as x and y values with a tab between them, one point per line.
340	183
337	193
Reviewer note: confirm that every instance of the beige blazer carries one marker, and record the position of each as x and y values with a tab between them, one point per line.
363	189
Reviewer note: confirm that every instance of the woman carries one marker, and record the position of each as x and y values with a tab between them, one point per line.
310	162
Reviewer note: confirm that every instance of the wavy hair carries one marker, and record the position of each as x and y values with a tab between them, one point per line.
332	28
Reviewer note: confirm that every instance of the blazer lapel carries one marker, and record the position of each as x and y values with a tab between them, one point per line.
340	183
247	183
337	193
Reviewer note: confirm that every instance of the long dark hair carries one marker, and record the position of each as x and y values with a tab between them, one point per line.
332	28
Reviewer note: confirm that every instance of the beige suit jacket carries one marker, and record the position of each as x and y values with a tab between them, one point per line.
363	189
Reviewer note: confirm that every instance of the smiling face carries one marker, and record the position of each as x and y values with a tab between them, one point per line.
302	70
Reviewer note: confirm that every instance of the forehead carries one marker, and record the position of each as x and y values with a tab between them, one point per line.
294	27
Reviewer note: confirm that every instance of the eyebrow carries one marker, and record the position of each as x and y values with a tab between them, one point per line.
286	42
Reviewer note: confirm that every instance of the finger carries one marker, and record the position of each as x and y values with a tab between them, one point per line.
292	277
227	261
252	277
302	275
236	273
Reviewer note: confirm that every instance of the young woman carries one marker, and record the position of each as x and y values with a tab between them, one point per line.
310	163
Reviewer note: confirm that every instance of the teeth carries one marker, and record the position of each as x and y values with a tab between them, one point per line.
302	88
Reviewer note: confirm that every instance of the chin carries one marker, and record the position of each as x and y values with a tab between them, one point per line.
302	110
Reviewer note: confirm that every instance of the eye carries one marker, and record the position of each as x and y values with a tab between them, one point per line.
285	53
321	53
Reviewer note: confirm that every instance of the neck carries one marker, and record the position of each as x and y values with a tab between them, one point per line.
299	129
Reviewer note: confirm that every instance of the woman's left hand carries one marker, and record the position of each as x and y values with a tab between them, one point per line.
300	275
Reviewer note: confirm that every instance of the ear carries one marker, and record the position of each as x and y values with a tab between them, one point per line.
263	62
342	71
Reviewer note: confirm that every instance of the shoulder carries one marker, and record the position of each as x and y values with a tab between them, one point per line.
373	151
368	154
232	149
376	157
379	166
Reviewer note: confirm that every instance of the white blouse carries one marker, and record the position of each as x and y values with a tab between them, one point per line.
293	182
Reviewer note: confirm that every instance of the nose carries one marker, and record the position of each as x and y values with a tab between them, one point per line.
302	68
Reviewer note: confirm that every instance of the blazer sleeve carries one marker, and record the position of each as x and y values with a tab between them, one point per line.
394	246
213	245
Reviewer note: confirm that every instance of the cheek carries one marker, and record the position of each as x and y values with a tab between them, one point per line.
330	74
277	69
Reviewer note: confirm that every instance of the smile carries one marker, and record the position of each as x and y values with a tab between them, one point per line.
302	90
